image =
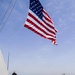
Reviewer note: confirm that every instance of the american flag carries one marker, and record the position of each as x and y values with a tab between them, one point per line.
40	22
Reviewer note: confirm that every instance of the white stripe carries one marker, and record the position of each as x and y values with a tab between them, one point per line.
47	36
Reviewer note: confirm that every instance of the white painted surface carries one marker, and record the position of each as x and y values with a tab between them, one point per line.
3	68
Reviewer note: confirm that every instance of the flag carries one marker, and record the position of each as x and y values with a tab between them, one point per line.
40	22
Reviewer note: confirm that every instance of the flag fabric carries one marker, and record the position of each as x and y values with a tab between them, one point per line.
40	22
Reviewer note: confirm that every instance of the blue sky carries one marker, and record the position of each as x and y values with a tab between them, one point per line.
31	54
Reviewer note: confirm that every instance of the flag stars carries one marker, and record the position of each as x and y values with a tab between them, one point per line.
36	7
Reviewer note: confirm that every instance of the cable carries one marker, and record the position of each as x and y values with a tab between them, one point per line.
5	13
9	15
7	10
15	32
1	2
1	5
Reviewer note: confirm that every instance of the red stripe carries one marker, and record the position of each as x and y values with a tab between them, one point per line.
40	23
25	25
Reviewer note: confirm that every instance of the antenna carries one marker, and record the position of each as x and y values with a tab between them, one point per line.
8	62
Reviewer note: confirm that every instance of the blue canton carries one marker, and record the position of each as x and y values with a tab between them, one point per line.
37	8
